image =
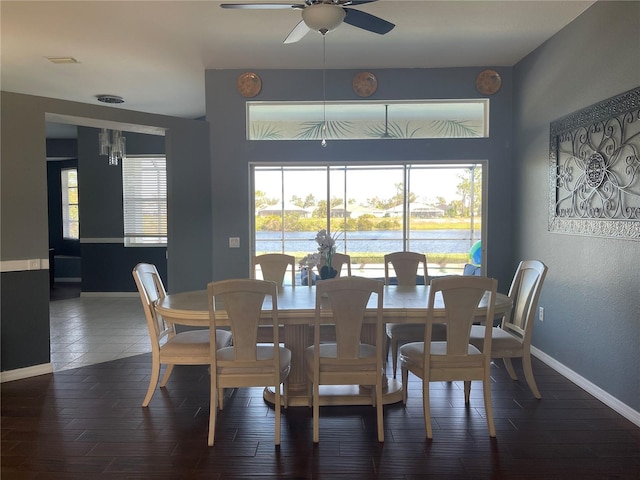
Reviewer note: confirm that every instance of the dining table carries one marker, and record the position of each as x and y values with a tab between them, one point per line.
296	315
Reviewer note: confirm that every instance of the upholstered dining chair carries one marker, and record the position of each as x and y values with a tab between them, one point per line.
246	363
512	339
274	267
455	358
406	266
167	346
346	361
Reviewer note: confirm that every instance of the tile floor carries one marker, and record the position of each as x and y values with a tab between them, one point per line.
90	330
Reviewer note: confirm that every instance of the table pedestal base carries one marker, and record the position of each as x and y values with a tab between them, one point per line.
340	395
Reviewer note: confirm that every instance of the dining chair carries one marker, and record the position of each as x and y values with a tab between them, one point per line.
406	266
185	348
246	363
455	358
274	267
512	338
347	361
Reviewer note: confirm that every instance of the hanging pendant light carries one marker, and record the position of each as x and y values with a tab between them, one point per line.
112	144
324	92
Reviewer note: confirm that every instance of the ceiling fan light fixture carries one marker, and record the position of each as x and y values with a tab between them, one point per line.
323	17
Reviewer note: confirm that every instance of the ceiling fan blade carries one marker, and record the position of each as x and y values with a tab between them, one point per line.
299	31
367	21
356	2
264	6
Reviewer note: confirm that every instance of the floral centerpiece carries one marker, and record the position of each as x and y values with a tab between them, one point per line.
326	249
324	255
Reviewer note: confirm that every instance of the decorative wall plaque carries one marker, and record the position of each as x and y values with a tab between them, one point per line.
249	84
594	163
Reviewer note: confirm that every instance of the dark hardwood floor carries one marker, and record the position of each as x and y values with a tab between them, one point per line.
87	423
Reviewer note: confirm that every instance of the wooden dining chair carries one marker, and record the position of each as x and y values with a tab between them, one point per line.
246	363
274	267
512	339
184	348
346	361
406	266
455	358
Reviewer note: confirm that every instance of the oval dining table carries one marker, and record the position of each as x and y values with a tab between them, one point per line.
296	314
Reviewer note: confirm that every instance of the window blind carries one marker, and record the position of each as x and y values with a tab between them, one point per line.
144	182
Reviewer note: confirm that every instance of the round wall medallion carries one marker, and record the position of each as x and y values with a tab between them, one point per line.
365	84
249	84
488	82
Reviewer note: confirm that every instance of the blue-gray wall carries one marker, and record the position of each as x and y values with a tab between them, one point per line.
591	296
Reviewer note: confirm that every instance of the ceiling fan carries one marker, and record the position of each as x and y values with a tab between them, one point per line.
323	16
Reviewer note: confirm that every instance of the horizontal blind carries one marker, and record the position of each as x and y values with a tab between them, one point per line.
144	182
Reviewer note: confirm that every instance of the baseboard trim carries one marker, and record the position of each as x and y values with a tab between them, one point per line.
609	400
109	294
26	372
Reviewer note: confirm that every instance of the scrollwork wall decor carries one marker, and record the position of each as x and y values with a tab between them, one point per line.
594	163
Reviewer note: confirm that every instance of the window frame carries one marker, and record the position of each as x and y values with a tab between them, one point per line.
67	204
138	174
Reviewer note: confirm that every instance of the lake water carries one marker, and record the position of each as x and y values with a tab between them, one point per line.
375	241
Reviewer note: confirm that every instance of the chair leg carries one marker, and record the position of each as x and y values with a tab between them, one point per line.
153	381
426	408
277	411
167	374
467	391
379	411
405	383
528	375
509	366
394	355
486	386
213	411
316	413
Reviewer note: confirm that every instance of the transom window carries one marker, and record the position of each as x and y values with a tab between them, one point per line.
368	119
436	209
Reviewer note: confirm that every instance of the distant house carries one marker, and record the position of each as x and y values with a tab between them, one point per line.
417	210
287	208
354	211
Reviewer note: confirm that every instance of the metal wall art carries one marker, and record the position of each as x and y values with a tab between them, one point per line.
594	161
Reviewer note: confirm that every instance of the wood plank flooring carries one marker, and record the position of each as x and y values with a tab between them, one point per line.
87	423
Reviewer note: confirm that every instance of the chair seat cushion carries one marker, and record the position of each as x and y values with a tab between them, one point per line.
414	332
502	342
223	338
330	351
413	353
263	352
191	343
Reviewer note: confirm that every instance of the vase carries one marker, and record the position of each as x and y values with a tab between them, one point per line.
327	272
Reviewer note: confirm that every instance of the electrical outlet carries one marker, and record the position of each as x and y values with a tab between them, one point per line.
541	313
34	264
234	242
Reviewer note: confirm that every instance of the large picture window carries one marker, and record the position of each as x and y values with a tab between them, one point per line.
436	209
144	182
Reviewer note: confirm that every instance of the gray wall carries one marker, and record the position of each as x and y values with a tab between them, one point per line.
591	296
232	153
23	212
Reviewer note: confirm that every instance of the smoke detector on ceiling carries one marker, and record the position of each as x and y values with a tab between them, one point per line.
110	99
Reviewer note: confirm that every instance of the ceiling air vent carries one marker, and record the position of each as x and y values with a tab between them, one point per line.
109	99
